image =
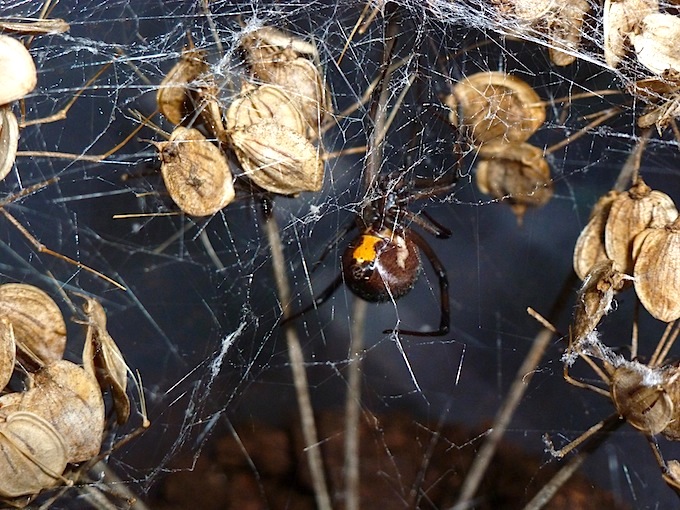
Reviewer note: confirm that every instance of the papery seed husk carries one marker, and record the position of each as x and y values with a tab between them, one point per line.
266	45
595	298
18	76
9	140
527	10
656	45
37	321
496	106
278	160
657	271
264	104
301	81
589	247
646	407
622	18
70	400
632	212
195	172
32	453
102	358
172	94
565	29
516	172
672	475
35	26
7	352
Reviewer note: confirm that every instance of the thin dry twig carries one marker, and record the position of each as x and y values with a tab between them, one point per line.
353	406
297	362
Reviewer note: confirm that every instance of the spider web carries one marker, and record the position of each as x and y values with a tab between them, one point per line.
200	319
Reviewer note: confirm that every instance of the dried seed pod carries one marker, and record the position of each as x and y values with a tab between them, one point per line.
266	45
264	104
632	212
70	400
642	399
657	271
565	26
195	172
172	95
621	18
23	76
595	298
656	45
662	93
7	352
589	247
672	475
301	81
33	455
9	139
278	159
496	106
39	327
516	172
275	59
103	359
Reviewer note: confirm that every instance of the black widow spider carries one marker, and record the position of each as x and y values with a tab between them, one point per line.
383	262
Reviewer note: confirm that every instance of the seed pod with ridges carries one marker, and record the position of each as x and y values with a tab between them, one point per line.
195	172
632	212
589	247
657	271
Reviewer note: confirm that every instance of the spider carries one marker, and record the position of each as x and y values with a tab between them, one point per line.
383	262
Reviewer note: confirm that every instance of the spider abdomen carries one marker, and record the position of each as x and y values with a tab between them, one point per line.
381	265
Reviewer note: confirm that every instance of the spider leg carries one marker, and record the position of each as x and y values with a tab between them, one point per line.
318	301
351	225
440	270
